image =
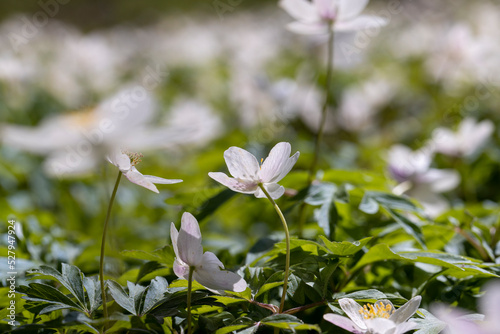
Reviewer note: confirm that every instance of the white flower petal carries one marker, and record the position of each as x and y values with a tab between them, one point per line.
489	303
160	180
406	311
241	163
343	322
189	240
380	325
210	262
61	164
316	28
278	163
351	308
174	235
301	10
327	9
405	327
349	9
134	176
181	269
361	23
240	186
274	190
218	279
120	160
440	180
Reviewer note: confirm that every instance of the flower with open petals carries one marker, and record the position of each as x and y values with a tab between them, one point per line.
126	164
247	174
378	318
208	270
467	140
318	16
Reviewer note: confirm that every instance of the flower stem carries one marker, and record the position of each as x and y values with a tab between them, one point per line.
287	240
103	244
321	130
190	285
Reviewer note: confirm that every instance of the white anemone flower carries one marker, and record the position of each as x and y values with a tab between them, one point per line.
459	322
467	140
248	175
208	270
378	318
126	164
412	169
318	16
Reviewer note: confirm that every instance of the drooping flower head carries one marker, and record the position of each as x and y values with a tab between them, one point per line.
126	163
248	174
378	318
318	16
208	270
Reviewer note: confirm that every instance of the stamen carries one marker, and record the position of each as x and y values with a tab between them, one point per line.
261	161
135	157
379	310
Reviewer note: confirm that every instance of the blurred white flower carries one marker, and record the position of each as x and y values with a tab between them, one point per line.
75	142
459	322
247	173
417	179
126	164
378	318
467	140
318	16
208	270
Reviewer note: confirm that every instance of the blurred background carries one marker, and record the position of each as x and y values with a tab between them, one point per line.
229	73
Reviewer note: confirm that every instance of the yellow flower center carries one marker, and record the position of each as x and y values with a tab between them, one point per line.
84	118
379	310
261	161
135	157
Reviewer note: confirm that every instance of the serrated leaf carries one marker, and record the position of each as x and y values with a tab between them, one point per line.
266	287
93	289
71	278
155	293
344	248
45	293
121	297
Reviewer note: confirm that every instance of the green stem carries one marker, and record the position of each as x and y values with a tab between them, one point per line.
319	136
321	130
103	244
287	239
190	285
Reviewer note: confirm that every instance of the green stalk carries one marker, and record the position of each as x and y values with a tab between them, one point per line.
190	285
319	136
103	244
321	130
287	239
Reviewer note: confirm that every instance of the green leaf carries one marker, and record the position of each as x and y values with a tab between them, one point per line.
71	278
93	288
456	265
128	301
344	248
288	321
410	227
41	292
155	293
323	194
164	255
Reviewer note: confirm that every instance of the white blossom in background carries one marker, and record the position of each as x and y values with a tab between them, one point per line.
248	174
459	322
126	163
208	269
75	142
412	170
378	318
318	16
466	141
360	104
